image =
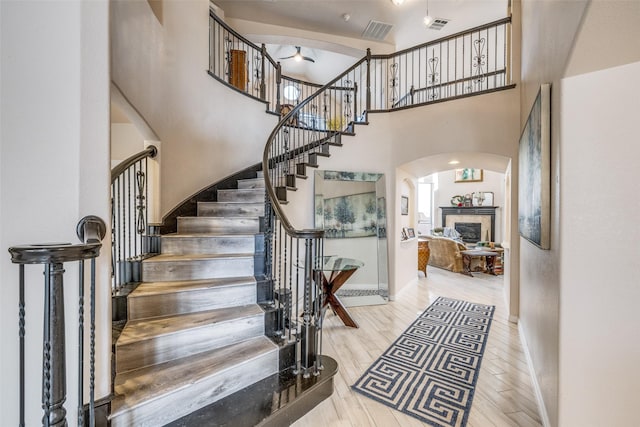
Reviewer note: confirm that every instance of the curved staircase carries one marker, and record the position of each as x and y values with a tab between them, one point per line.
196	333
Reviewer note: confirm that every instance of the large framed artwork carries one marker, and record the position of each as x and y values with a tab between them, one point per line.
354	215
535	172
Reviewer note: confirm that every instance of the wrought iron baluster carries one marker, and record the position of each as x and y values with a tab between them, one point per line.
92	346
141	206
22	333
80	342
393	70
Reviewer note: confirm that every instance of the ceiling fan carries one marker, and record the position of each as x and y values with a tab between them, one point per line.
298	56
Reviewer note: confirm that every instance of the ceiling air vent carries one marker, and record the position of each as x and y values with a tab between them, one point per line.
438	23
376	30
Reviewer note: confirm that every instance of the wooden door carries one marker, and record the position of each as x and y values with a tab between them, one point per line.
238	69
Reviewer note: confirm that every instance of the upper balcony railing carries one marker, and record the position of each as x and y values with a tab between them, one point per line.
473	61
470	62
247	67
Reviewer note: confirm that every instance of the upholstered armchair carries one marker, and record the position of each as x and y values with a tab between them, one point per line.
445	253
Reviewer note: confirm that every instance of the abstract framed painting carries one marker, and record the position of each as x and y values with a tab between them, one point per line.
468	175
534	192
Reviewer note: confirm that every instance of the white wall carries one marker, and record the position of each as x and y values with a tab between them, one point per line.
548	33
599	349
54	169
406	252
126	141
161	69
553	33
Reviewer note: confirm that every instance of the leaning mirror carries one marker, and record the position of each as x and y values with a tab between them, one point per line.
351	208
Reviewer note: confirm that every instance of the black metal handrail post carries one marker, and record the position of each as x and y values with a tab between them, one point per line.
90	230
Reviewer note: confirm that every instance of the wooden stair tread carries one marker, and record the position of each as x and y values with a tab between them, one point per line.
137	387
162	288
144	329
233	202
205	235
243	190
211	217
195	257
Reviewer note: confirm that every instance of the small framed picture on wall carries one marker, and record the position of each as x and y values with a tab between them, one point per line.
404	205
469	175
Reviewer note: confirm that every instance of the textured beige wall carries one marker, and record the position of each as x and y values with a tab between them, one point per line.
599	352
161	69
54	169
563	38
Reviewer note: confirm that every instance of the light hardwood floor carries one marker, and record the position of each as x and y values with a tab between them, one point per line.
504	395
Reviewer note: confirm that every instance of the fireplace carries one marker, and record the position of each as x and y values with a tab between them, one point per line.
471	232
484	215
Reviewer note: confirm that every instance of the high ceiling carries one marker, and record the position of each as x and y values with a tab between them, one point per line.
327	16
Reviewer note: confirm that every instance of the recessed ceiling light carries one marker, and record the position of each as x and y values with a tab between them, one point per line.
397	2
454	162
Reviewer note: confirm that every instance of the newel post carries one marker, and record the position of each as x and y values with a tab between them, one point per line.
278	83
91	230
368	106
263	86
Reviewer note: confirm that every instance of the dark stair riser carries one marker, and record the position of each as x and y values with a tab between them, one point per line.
276	401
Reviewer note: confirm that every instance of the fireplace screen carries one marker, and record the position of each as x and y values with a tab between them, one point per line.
470	231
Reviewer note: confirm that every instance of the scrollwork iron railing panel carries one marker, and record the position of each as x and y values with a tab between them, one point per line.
90	230
130	239
469	62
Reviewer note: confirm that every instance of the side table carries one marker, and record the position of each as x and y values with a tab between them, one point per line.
490	258
423	255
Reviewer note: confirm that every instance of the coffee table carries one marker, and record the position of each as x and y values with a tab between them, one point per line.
490	257
335	272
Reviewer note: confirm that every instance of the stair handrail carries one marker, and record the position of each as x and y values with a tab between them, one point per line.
130	228
266	159
151	151
295	257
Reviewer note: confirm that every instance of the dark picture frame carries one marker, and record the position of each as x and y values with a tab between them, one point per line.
534	191
404	205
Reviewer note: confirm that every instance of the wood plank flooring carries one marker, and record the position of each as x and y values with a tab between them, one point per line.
504	395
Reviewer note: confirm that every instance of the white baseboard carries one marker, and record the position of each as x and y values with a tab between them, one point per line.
534	379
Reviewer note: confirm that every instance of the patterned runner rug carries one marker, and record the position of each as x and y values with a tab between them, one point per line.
431	370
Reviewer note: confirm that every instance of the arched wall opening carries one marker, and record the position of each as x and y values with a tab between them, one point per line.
497	171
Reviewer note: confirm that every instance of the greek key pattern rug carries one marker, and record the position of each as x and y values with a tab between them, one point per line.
431	370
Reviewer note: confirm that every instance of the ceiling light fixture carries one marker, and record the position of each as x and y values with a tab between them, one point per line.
298	57
428	19
397	2
454	162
